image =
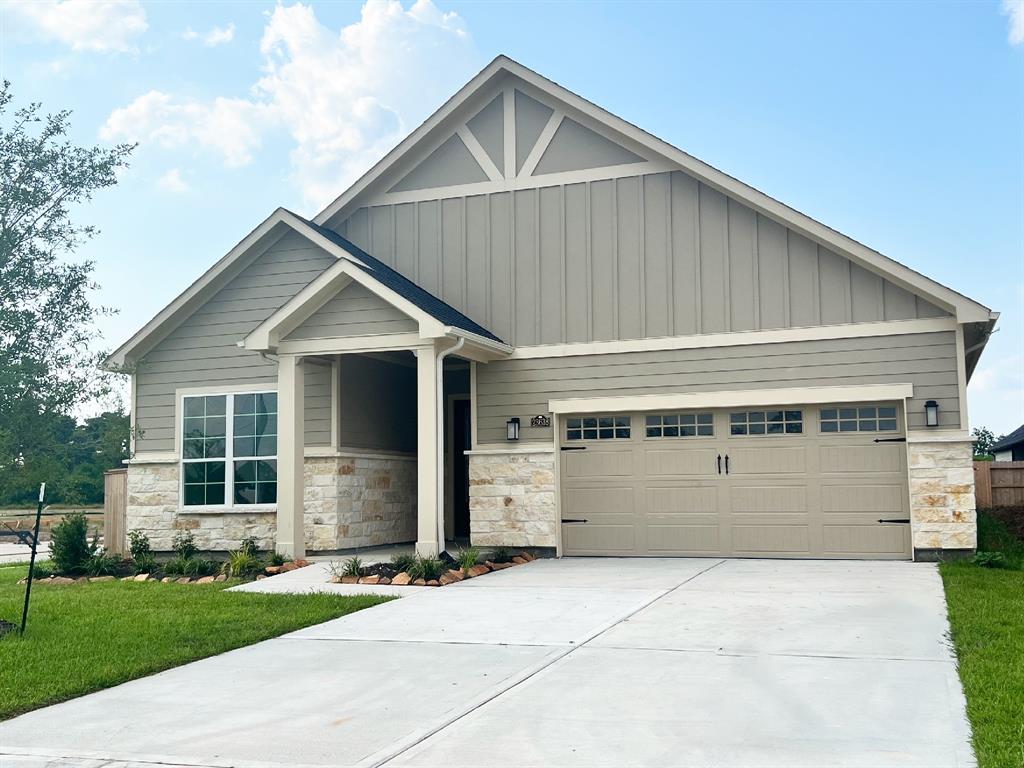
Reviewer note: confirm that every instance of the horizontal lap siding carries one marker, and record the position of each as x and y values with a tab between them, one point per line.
203	351
634	257
523	387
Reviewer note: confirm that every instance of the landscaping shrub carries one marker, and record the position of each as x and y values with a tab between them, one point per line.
138	544
277	559
501	555
197	566
990	560
70	548
184	545
352	567
468	558
101	564
143	564
250	546
402	562
242	564
41	571
427	568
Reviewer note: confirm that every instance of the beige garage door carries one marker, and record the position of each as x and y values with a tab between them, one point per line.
811	481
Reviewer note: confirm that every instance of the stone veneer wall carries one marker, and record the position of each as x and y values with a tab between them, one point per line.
350	501
942	510
512	499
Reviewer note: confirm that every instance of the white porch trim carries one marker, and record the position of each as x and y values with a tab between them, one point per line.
735	398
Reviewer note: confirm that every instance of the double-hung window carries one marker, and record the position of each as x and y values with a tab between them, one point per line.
229	449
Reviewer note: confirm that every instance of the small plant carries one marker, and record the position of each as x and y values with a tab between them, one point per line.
184	545
402	562
250	546
143	564
468	558
427	568
353	566
501	555
70	548
101	564
197	566
990	560
138	544
241	564
277	559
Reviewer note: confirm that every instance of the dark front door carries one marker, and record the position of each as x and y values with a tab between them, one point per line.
462	442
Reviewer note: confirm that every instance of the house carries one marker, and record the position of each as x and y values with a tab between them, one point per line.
534	324
1011	447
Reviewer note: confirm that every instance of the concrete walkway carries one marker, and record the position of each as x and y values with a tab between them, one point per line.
579	662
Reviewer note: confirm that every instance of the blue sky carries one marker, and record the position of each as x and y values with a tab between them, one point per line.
899	124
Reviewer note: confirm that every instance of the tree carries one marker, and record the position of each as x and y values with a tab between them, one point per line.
984	439
47	362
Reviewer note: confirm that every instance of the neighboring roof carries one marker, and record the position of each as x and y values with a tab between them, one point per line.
965	309
445	313
1013	439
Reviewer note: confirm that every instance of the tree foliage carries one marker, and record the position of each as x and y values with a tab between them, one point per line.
984	439
48	363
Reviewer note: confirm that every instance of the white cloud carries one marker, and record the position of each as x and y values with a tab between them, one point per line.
1015	10
229	127
104	26
172	182
343	98
216	36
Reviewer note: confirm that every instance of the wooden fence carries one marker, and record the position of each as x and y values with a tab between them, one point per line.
115	510
999	484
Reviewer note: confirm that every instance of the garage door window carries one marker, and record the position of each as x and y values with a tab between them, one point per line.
679	425
598	428
859	419
766	423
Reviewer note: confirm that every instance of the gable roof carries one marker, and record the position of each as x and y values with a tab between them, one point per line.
966	310
441	311
267	232
1014	438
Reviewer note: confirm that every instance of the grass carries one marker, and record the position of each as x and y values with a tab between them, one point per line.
986	612
84	637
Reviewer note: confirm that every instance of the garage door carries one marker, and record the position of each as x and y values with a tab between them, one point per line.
812	481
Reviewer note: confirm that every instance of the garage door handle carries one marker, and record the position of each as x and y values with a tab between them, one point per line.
905	520
574	520
890	439
574	447
719	463
727	463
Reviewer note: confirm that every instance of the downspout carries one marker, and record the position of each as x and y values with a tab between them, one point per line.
439	453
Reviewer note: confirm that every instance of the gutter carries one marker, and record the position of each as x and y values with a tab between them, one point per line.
439	429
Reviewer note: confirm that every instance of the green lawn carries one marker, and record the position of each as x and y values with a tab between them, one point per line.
84	637
986	611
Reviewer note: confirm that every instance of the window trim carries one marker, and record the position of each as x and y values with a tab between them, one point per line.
613	415
680	412
899	418
765	409
229	449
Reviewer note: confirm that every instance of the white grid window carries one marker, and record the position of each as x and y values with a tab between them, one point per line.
679	425
766	423
868	418
237	431
597	428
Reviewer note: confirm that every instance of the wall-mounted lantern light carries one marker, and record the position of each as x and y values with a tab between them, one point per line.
512	429
931	413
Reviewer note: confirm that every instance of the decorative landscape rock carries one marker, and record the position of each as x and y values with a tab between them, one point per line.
479	570
205	580
401	579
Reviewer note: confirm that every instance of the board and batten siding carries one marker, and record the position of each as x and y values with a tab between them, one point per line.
634	257
523	387
203	352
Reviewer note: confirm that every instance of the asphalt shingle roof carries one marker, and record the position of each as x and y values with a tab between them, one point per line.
428	302
1014	438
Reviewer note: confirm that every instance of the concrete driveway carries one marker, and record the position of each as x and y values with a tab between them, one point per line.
582	662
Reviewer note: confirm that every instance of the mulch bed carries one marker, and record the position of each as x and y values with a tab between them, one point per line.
384	574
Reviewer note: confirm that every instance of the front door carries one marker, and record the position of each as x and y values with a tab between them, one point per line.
461	442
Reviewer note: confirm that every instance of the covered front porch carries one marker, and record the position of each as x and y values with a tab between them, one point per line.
374	411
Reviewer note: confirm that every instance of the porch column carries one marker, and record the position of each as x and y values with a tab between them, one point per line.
291	439
426	451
